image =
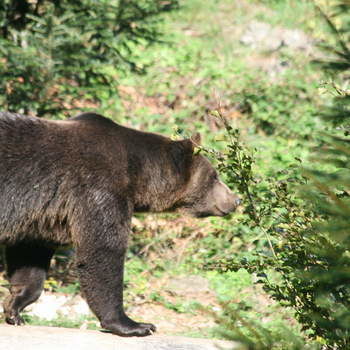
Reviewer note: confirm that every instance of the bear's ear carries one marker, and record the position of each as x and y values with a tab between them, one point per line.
181	153
186	146
196	139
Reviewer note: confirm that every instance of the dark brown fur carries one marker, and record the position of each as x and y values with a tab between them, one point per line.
78	182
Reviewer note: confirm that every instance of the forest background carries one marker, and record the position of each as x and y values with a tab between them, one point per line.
267	85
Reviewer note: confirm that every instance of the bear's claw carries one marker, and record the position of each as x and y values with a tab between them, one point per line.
136	330
15	320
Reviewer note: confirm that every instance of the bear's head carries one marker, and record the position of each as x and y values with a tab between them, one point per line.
205	194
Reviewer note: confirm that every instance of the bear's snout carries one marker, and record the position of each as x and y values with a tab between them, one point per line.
225	200
229	206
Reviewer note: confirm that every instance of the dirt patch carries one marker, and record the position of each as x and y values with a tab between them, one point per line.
169	314
172	322
181	306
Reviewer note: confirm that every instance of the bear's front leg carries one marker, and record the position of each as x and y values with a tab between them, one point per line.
100	266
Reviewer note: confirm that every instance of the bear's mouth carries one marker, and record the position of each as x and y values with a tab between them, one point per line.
222	212
203	214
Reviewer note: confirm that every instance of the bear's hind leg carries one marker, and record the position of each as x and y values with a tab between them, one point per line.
26	269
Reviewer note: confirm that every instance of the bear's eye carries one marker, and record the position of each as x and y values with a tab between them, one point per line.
214	177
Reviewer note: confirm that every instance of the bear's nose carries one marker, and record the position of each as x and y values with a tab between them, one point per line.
237	202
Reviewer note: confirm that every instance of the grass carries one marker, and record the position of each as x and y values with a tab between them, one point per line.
62	321
239	290
206	65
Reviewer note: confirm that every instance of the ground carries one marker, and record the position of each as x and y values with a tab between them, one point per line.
178	309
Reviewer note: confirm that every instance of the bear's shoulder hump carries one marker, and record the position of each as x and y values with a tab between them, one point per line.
93	118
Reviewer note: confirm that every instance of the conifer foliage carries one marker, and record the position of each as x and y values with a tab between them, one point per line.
330	192
54	54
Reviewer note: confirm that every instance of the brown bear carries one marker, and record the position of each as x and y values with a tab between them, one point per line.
78	182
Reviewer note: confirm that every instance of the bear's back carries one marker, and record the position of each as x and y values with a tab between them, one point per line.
46	166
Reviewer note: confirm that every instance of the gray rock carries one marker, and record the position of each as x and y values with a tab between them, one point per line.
53	338
259	35
52	305
263	36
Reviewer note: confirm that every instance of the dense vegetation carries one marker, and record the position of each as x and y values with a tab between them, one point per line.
61	55
275	119
307	235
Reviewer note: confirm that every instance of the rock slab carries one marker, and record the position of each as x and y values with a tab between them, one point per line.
53	338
